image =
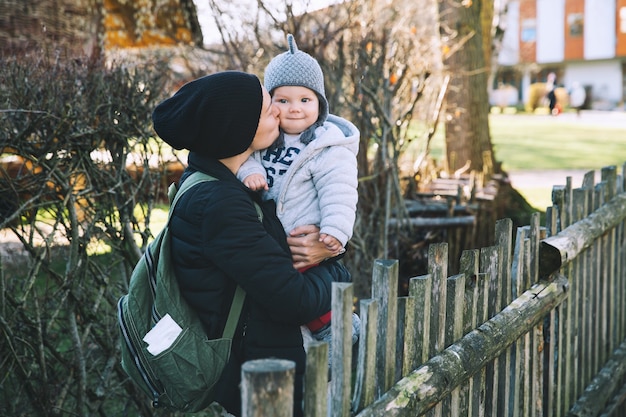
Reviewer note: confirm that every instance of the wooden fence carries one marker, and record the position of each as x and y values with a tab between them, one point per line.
531	326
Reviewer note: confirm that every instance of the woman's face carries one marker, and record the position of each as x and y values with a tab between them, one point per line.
267	131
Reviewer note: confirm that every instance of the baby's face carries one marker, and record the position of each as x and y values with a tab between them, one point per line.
299	108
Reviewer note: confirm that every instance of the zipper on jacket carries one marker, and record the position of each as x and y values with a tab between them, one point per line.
137	359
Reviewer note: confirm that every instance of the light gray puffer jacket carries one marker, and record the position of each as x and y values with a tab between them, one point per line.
320	186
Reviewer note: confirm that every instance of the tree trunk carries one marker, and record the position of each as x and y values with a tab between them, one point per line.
468	142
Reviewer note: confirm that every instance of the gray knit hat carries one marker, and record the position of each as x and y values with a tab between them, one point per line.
297	68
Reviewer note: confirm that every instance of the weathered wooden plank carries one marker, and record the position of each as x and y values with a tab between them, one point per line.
428	384
550	346
556	251
535	337
430	206
420	289
403	321
434	222
584	316
316	380
503	240
613	287
621	262
477	399
489	266
438	269
608	175
577	295
567	349
617	405
365	383
454	331
535	237
602	387
526	404
341	352
558	204
469	266
597	288
603	315
572	329
385	291
412	348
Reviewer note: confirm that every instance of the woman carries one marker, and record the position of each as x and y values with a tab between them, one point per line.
218	240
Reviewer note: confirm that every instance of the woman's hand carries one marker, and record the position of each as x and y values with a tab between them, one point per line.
306	247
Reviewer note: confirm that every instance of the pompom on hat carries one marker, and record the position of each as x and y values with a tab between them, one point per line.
297	68
216	115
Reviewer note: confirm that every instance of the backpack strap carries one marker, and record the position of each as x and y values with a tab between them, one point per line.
174	195
235	312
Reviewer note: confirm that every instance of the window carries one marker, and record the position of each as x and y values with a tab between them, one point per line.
576	23
529	30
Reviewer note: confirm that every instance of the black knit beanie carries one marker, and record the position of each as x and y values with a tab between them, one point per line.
216	116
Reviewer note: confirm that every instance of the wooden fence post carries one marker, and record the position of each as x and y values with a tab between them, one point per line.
420	289
503	240
364	387
385	291
267	387
438	268
316	380
469	267
454	331
341	354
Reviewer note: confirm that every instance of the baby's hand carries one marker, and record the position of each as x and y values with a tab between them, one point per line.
256	182
332	244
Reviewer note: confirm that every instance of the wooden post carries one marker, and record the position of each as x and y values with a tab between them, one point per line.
404	335
503	240
267	387
454	331
341	354
420	288
316	380
438	268
469	267
366	365
385	291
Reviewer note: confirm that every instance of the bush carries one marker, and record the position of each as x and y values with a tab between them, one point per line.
75	182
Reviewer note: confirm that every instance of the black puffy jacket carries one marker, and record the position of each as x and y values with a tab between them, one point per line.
219	242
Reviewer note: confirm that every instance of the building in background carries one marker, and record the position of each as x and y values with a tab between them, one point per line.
582	41
75	28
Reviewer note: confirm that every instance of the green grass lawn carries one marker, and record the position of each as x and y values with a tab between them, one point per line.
524	142
544	142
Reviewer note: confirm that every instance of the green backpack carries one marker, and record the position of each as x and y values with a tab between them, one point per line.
165	349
